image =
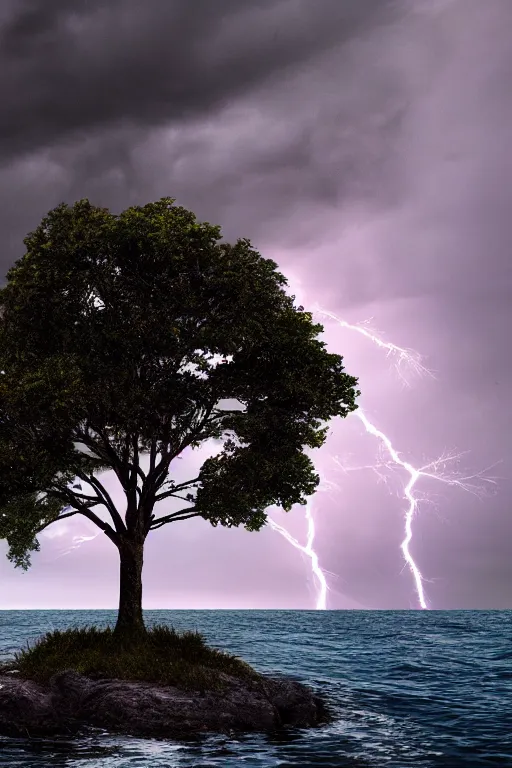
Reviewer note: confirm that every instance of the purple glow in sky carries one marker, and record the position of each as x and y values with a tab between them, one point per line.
364	146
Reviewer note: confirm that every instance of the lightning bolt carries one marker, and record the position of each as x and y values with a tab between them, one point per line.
321	599
76	541
307	549
414	475
412	360
404	358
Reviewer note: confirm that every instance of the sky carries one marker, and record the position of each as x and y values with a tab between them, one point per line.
363	145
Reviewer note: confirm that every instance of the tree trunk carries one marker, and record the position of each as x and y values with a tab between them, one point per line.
130	622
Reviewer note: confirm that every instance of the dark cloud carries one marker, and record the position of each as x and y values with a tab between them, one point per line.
71	70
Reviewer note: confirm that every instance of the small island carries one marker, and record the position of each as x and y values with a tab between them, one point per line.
161	684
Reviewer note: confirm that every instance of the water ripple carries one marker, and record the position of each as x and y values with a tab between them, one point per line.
425	689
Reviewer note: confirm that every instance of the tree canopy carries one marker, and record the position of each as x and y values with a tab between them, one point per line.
144	333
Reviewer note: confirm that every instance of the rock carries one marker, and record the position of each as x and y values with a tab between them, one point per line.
71	701
27	709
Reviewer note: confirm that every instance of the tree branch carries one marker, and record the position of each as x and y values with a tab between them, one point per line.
183	514
105	527
126	452
84	510
135	466
152	455
82	496
169	495
156	476
50	522
133	521
181	486
104	452
172	491
159	471
63	493
107	501
138	471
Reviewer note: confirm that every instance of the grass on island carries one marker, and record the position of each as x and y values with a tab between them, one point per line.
162	656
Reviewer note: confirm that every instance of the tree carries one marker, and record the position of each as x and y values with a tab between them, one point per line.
142	333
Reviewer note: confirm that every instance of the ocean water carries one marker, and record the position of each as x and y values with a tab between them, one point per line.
424	689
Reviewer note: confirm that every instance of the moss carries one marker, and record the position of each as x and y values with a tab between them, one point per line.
161	656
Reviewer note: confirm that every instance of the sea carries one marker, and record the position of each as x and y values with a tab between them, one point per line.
427	689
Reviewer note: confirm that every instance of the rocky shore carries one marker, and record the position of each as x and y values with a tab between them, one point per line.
71	701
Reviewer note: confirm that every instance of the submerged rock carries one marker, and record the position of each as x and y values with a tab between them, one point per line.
71	701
